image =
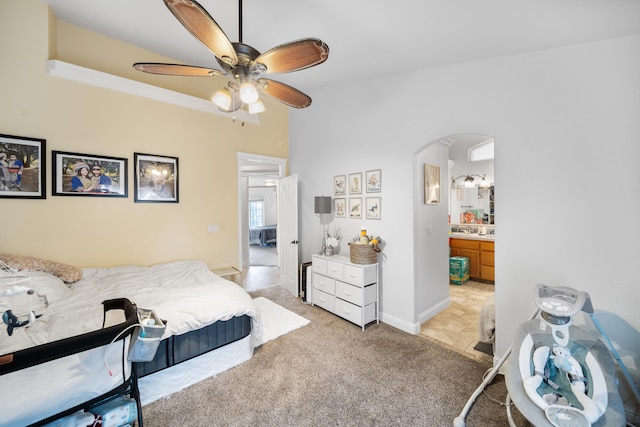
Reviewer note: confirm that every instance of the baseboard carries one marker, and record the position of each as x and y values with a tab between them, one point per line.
428	314
411	328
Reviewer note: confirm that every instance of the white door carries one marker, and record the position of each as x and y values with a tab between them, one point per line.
288	233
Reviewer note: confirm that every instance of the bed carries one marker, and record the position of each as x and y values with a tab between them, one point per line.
263	236
212	324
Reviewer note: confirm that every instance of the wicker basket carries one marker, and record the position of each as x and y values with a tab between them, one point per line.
362	254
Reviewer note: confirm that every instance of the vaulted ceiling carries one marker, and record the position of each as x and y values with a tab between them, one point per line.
367	38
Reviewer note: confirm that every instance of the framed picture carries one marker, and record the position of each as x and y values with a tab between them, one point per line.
355	207
76	174
22	167
355	183
373	207
339	185
431	184
156	178
340	207
374	180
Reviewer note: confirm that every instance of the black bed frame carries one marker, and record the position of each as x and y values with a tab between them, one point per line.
55	350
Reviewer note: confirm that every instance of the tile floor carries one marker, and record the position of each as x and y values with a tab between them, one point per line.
455	327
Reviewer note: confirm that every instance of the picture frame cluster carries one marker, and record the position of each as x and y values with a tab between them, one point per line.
348	189
23	173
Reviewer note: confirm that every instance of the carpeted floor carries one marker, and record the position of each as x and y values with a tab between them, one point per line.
331	373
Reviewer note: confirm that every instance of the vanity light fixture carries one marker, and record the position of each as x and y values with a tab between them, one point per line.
469	181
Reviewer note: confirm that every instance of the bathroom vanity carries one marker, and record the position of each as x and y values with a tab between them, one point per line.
480	251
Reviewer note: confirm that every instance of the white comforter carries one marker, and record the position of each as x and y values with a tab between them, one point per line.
184	293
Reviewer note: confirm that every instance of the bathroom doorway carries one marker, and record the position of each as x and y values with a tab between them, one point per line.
459	325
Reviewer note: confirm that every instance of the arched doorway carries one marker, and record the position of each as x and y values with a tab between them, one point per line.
458	325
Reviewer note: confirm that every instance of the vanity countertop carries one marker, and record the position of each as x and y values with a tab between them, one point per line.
473	236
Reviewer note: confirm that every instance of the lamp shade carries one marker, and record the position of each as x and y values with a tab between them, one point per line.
322	205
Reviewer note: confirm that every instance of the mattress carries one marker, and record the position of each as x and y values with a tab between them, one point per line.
180	348
204	314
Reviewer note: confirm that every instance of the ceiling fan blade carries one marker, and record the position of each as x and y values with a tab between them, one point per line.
176	69
284	93
293	56
203	27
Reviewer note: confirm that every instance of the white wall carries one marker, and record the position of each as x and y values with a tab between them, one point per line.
567	115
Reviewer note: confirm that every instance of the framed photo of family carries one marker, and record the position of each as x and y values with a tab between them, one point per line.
156	178
22	167
77	174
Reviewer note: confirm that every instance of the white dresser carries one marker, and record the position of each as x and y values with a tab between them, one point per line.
346	289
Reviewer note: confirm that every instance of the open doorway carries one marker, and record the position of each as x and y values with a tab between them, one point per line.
258	179
464	324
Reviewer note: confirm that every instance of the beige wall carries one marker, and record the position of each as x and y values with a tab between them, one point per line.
74	117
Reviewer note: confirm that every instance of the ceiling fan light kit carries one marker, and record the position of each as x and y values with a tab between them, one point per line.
241	64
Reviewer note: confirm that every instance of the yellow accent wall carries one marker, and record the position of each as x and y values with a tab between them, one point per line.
75	117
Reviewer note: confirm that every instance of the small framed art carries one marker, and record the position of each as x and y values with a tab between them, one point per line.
431	184
76	174
340	207
22	167
355	207
355	183
156	178
339	185
373	179
373	207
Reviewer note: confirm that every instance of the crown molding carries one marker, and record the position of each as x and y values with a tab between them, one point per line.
88	76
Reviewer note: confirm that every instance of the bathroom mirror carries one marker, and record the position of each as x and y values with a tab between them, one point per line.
473	199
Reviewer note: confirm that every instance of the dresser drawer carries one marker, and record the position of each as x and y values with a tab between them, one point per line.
353	313
324	283
360	275
350	293
355	294
319	265
324	300
335	270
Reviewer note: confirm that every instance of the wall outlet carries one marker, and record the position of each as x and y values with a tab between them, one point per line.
213	228
429	230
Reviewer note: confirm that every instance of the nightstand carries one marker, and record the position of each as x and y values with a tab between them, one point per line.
230	273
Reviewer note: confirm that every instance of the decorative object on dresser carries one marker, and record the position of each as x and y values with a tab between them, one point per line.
348	290
364	249
322	206
332	242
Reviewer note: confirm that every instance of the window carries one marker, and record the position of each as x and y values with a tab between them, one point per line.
256	213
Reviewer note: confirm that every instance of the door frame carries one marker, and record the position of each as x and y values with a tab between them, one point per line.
242	196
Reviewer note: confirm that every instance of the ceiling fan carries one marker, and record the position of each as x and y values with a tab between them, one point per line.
241	64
